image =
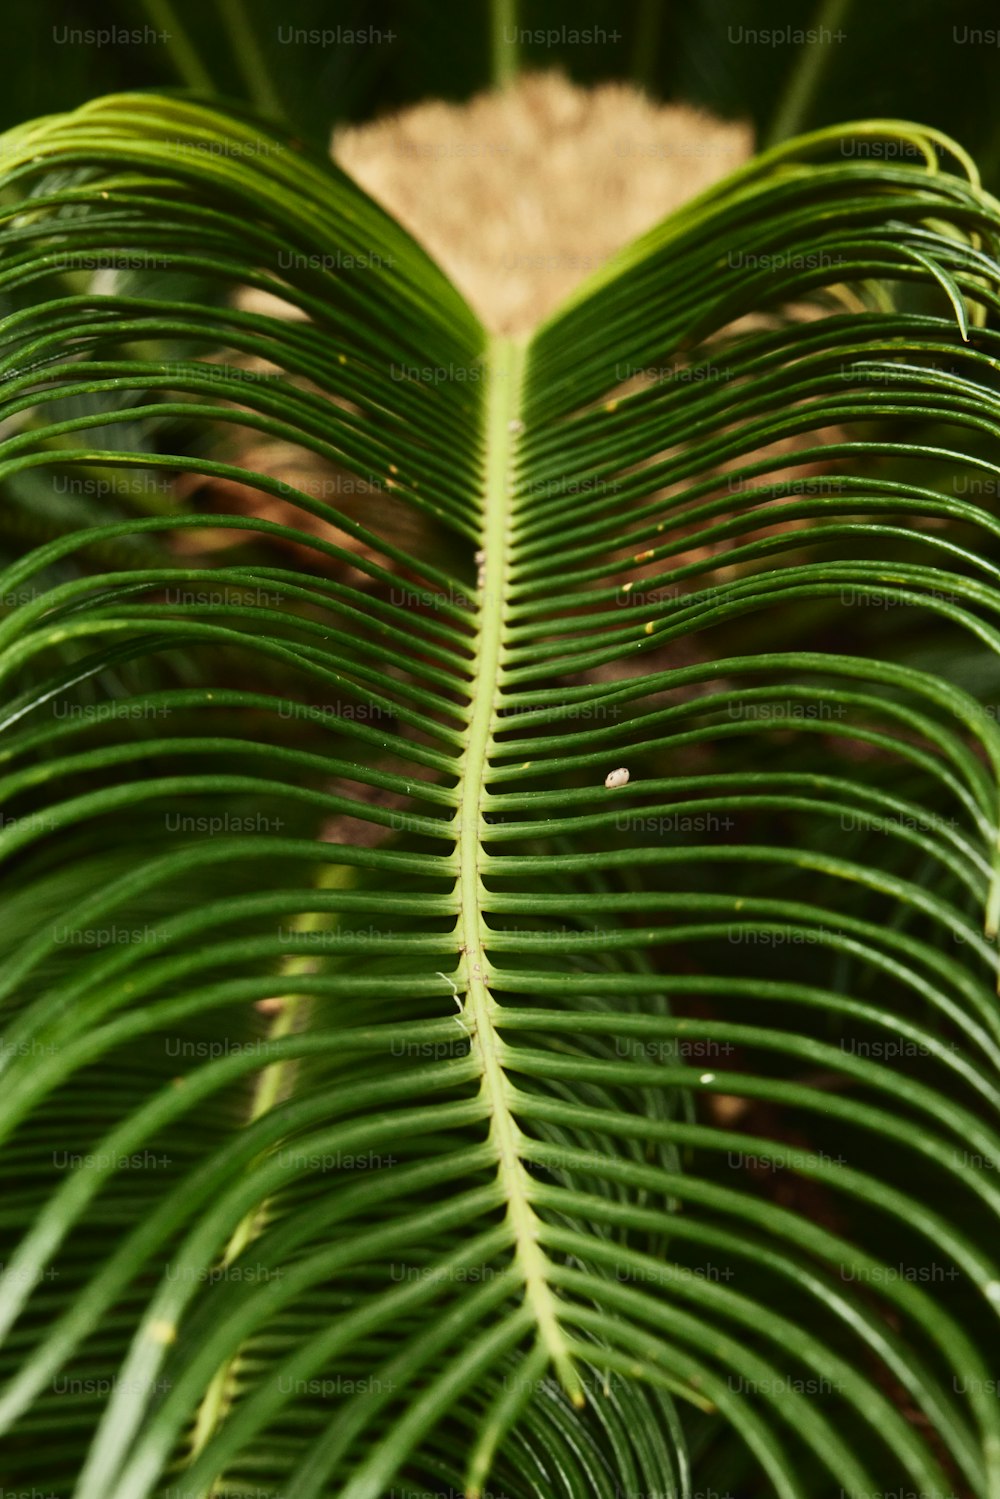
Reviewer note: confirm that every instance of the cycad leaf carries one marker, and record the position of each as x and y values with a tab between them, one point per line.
397	1091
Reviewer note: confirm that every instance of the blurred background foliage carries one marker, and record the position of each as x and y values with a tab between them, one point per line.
914	59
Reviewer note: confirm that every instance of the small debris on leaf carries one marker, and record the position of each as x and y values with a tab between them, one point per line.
616	778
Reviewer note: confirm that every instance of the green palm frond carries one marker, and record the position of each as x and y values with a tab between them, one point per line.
398	1095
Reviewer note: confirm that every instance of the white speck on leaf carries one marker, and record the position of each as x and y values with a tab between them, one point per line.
616	778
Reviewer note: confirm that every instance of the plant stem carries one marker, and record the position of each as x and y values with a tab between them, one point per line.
271	1087
503	425
506	52
806	74
250	58
182	53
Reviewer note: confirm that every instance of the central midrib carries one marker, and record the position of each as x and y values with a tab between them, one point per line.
505	366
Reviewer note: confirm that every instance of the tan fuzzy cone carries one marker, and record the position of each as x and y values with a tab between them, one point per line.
521	193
